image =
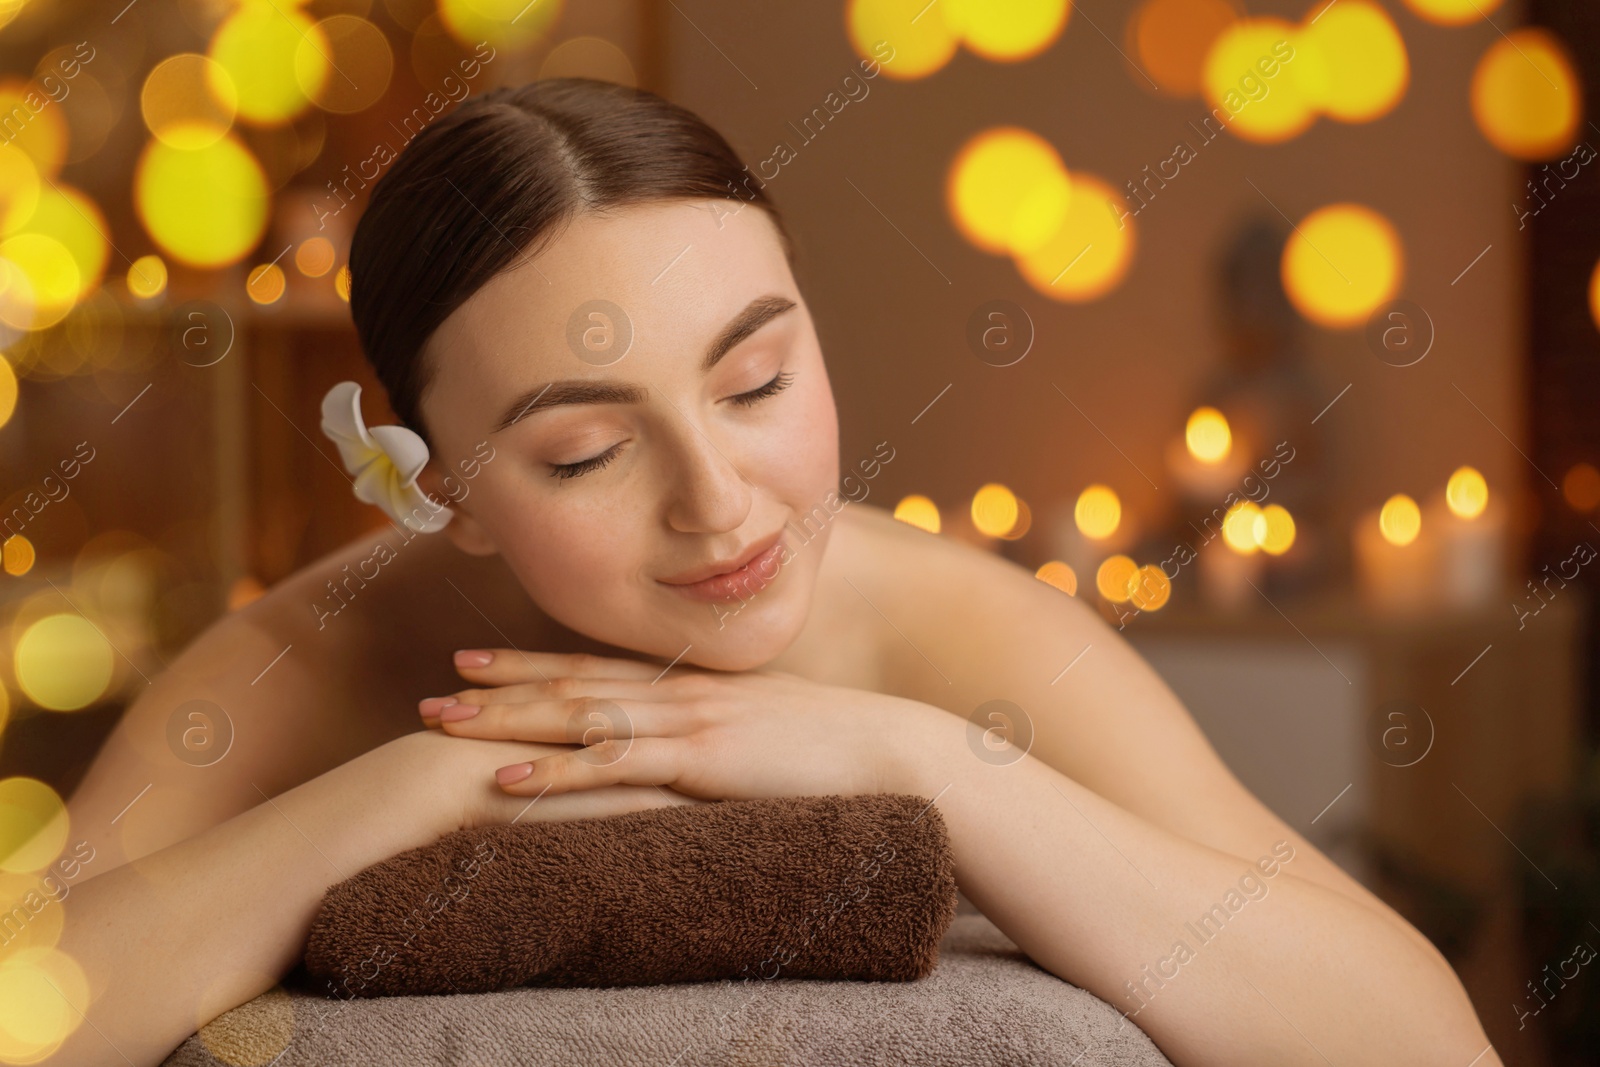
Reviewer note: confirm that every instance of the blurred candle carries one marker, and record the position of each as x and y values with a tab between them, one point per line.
1471	558
1395	578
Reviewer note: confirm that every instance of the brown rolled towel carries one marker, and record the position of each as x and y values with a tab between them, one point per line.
829	887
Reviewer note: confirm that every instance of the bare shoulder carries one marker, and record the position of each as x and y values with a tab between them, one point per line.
328	664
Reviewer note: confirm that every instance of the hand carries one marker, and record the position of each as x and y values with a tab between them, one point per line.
453	779
713	734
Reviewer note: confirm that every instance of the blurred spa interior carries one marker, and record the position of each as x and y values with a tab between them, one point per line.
1267	328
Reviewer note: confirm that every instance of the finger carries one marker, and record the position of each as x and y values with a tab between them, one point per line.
563	687
510	666
576	721
639	761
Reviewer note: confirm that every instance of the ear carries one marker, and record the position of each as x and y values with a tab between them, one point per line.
466	532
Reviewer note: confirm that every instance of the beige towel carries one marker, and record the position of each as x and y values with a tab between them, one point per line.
984	1004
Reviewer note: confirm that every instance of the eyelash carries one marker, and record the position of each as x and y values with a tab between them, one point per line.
755	396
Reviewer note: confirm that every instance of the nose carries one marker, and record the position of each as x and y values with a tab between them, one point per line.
709	494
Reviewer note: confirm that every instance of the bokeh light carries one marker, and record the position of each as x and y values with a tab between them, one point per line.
919	33
33	825
1097	512
39	281
918	511
44	995
1008	31
510	24
276	58
8	390
1171	39
17	555
266	283
1008	190
207	206
1351	62
994	510
1114	578
188	100
1273	530
1255	107
41	134
1207	435
352	72
314	257
1581	486
1466	493
62	662
19	187
147	276
1059	575
589	57
1341	262
1453	12
1400	520
1526	96
1149	588
1090	253
1239	527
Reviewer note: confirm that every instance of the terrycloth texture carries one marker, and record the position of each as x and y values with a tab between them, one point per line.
829	887
985	1005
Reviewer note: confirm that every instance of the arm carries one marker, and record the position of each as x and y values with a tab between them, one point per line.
1220	962
169	941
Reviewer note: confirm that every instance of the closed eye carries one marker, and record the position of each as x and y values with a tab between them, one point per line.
750	399
772	388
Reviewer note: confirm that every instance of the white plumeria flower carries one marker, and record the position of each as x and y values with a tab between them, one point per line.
384	461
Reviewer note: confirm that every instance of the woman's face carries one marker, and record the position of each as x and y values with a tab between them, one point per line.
622	464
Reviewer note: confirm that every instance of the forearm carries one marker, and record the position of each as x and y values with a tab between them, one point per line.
176	938
1289	972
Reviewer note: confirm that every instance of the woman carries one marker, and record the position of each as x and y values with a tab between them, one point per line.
610	388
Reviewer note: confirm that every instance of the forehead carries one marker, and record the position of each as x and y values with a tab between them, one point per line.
677	270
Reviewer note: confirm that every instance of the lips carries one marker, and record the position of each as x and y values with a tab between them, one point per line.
726	567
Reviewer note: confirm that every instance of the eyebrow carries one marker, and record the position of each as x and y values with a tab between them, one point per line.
578	391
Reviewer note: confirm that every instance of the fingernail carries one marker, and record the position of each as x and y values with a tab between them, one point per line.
457	712
514	773
433	705
473	657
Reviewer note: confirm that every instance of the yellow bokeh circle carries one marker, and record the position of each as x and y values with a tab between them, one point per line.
1239	527
1149	588
1466	493
1090	253
1114	579
188	100
1098	512
1360	69
1273	529
8	390
44	997
1400	520
1235	82
1171	39
1008	190
1008	30
1059	575
508	24
1526	96
147	276
33	825
39	281
917	510
1453	12
276	58
206	207
63	662
1341	262
994	510
916	36
1207	435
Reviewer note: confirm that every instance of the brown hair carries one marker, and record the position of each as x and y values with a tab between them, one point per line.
498	178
